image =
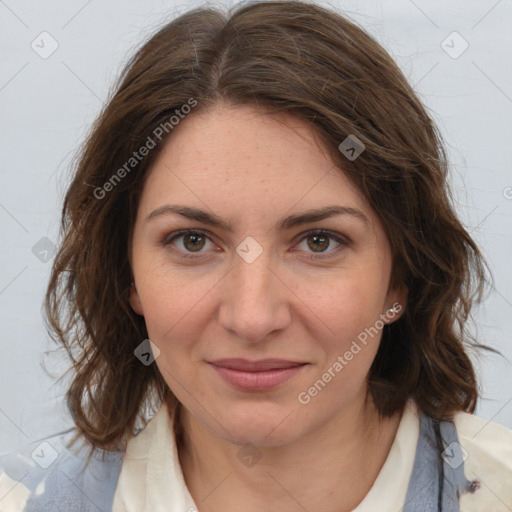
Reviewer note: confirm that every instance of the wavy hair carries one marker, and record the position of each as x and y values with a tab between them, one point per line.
287	57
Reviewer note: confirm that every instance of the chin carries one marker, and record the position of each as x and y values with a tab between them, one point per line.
259	427
262	438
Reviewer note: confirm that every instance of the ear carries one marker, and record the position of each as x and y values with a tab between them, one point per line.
135	301
397	299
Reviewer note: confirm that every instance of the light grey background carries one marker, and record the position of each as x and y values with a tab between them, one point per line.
48	104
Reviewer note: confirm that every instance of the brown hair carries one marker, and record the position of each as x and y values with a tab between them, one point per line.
284	56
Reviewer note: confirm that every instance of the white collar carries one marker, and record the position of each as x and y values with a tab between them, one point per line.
151	478
390	487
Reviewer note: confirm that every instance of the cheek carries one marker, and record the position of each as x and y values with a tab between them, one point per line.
171	316
168	295
347	304
173	320
351	311
176	315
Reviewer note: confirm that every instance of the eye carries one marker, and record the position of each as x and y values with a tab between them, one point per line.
320	241
191	242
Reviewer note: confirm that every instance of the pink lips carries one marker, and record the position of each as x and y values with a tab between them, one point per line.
256	375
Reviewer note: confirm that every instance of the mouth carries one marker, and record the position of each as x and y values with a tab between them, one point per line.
260	375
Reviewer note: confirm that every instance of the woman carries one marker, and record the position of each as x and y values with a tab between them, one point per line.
265	199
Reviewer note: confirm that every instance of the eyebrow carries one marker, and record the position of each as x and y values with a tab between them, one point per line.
306	217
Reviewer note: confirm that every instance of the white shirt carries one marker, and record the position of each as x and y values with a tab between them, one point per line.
151	478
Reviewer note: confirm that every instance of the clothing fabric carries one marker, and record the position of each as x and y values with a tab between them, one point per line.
464	466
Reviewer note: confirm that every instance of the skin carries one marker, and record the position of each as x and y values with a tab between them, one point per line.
252	169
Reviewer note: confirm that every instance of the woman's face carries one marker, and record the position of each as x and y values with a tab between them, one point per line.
248	284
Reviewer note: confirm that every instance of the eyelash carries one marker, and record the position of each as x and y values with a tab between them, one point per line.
344	242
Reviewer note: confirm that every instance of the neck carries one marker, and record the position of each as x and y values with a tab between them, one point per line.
331	469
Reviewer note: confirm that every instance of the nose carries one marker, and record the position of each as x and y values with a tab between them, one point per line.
255	300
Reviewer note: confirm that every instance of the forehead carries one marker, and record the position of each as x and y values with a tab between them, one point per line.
240	157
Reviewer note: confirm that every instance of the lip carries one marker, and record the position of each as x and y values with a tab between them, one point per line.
260	375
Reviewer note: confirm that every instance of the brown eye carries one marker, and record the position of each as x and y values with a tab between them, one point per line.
187	242
319	242
193	242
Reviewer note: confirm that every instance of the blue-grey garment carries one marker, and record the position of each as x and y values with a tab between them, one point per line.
436	482
69	485
437	479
